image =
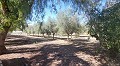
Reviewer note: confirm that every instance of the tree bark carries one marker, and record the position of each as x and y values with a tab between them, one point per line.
38	34
5	7
53	35
71	36
68	37
43	35
3	35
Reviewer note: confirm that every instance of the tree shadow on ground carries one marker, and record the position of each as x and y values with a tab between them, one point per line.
23	40
65	55
58	55
61	55
86	46
23	50
16	62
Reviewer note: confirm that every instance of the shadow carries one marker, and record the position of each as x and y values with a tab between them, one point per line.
58	55
61	38
79	40
16	40
91	48
14	36
22	50
16	62
86	46
65	38
65	55
84	36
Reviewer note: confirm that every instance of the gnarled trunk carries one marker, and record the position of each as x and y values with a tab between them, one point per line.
3	35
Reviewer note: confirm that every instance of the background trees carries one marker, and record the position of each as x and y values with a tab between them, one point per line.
68	23
39	27
42	31
52	26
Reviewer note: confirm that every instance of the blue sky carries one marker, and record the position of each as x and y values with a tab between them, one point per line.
61	7
51	14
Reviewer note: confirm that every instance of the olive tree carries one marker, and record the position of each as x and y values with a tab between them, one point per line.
12	15
105	26
42	31
69	23
45	29
52	26
39	27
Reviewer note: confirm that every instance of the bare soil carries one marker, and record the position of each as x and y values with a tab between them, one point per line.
39	51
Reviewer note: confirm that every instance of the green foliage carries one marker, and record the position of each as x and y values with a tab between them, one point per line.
45	29
42	30
107	26
83	29
14	12
39	26
52	25
68	22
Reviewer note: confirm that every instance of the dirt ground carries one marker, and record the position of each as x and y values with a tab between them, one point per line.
39	51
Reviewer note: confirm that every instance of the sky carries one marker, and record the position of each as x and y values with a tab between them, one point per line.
62	7
51	14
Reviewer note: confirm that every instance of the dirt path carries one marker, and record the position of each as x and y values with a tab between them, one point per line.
47	52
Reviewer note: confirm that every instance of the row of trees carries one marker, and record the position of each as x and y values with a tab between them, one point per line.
105	25
66	23
50	27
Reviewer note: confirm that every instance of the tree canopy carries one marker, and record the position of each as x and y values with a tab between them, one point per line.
106	26
69	23
13	12
12	16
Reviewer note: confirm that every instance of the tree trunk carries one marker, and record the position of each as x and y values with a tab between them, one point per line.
3	35
38	34
68	37
71	36
53	35
43	35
